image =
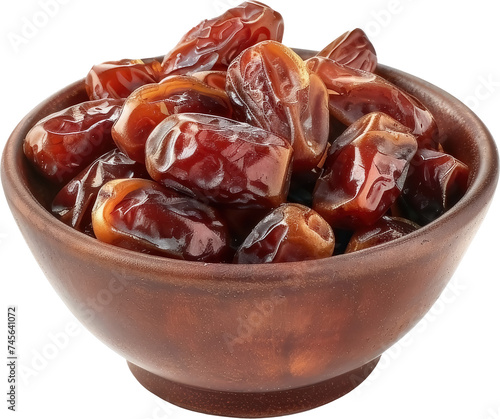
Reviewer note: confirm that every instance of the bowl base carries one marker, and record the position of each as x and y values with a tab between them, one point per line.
253	405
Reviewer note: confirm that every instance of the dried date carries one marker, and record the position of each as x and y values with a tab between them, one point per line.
73	204
117	79
148	105
352	49
65	142
269	84
291	232
354	93
220	160
214	43
141	215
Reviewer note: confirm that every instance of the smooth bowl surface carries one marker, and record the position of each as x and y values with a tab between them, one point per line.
255	340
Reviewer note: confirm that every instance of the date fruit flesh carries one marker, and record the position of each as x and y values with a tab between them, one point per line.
141	215
291	232
270	85
220	160
65	142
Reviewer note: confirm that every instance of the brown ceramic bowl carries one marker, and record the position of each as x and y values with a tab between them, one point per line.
255	340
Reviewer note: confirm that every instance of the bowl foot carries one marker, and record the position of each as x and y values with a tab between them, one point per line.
253	405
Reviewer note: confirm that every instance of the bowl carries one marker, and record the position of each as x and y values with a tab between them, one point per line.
255	340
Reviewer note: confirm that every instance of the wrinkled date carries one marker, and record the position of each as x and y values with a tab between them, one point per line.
220	160
354	93
117	79
63	143
436	181
73	204
352	49
147	106
214	43
383	231
143	216
291	232
363	177
270	85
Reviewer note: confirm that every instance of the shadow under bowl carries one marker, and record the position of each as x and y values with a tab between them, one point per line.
255	340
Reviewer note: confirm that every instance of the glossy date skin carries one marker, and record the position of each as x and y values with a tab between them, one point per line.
363	178
290	233
117	79
214	43
436	181
141	215
148	105
65	142
384	230
220	160
215	79
352	49
269	84
73	204
354	93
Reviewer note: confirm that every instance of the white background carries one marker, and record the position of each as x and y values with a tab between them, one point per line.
447	367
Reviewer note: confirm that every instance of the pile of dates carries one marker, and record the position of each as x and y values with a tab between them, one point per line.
235	149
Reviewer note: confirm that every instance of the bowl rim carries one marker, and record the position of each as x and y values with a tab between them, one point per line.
482	184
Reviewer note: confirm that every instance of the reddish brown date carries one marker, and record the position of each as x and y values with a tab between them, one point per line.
143	216
352	49
64	143
214	43
270	85
363	178
436	181
148	105
117	79
290	233
354	93
219	160
73	204
215	79
384	230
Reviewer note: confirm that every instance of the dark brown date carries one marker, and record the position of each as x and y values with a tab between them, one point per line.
362	179
354	93
117	79
352	49
214	43
270	85
219	160
143	216
73	204
384	230
436	181
64	143
290	233
148	105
